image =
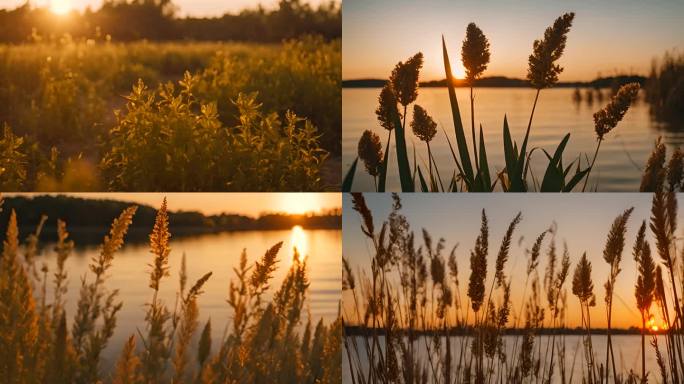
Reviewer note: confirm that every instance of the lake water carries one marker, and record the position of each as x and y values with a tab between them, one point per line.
619	166
626	348
218	253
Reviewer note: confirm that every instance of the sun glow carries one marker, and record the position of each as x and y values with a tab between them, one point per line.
458	71
300	241
60	7
299	203
653	326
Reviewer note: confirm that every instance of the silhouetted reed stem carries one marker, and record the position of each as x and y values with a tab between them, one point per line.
591	167
534	107
472	127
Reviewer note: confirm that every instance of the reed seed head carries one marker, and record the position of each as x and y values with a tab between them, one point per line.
543	71
675	171
474	53
502	257
370	152
387	111
608	118
582	285
478	266
424	127
615	244
646	281
654	174
360	206
159	246
404	79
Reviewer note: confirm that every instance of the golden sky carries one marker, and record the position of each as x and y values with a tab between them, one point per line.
186	7
607	36
251	204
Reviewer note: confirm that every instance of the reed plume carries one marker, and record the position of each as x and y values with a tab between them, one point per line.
478	266
387	111
645	287
404	79
474	53
543	71
583	288
370	152
608	118
654	174
126	371
612	254
475	56
425	128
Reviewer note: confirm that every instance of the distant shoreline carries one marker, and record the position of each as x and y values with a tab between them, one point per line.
503	82
351	330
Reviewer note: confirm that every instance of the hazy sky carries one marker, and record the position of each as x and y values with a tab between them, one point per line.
187	7
583	221
251	204
608	35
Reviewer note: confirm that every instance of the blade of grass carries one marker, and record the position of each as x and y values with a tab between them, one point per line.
458	124
349	177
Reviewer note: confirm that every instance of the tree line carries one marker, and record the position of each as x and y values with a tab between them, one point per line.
83	215
158	20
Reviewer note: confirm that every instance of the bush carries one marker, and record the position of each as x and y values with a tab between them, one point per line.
173	141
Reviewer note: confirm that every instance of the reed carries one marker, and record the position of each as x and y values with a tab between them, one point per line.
42	344
471	170
409	320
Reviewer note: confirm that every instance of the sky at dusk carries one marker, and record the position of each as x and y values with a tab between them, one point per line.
583	221
607	36
186	7
251	204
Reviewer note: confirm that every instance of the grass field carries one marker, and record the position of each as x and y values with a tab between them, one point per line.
265	340
98	115
418	290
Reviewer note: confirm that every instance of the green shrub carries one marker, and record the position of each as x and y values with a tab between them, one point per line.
170	140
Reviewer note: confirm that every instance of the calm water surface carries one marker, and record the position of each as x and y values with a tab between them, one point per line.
218	253
623	154
627	350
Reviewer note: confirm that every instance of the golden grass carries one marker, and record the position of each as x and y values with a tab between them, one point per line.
265	343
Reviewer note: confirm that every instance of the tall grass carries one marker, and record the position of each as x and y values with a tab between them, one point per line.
68	101
412	298
471	168
665	87
267	341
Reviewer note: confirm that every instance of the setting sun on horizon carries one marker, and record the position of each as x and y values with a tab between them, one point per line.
61	7
249	204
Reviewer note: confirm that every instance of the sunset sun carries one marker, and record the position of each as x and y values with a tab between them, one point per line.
298	203
60	7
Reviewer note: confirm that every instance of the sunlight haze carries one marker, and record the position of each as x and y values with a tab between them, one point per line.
199	8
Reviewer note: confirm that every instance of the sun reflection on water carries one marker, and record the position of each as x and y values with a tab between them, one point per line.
300	240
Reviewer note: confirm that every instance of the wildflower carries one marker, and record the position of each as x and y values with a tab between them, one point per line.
370	151
608	118
387	111
543	71
404	79
475	52
423	126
